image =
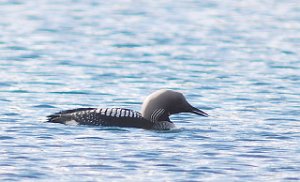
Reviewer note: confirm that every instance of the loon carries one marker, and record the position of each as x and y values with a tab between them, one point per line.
155	113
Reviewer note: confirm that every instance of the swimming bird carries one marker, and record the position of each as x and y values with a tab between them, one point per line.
155	113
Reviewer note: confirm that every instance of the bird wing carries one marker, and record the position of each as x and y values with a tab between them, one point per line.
101	116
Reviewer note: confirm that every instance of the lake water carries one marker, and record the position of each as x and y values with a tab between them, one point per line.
239	61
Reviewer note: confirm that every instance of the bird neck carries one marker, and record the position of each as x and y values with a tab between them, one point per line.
156	115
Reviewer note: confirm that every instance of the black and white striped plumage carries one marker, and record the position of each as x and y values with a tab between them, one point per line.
155	113
101	117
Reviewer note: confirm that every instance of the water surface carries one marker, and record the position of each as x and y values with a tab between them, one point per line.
238	61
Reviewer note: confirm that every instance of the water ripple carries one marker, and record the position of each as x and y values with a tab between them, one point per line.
67	54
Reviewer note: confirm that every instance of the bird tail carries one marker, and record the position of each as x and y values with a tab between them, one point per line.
58	118
65	117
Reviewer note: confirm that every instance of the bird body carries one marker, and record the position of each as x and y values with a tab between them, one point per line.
155	113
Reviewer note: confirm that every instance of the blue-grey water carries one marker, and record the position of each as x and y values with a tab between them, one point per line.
237	60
